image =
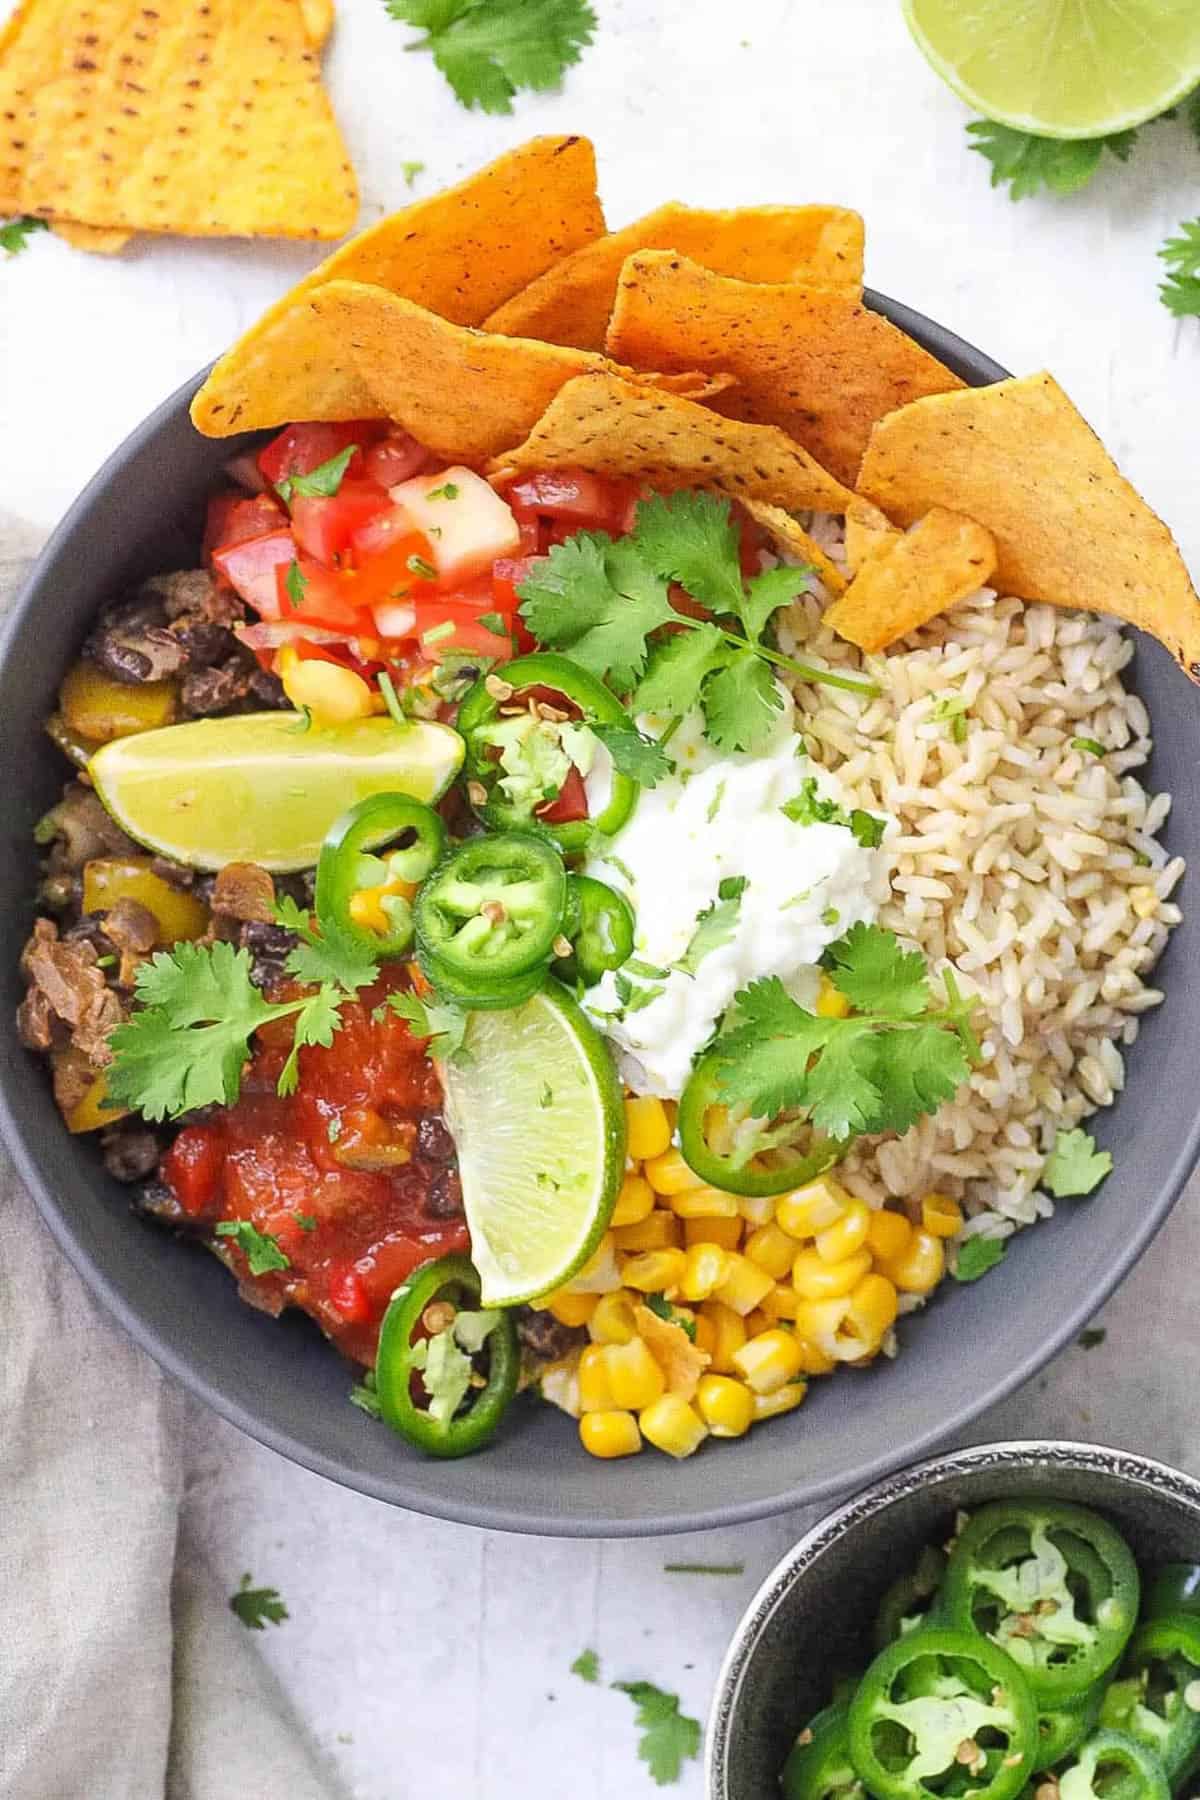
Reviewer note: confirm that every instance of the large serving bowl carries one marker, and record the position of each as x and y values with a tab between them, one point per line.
282	1383
814	1612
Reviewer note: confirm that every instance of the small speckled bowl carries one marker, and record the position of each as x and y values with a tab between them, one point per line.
814	1612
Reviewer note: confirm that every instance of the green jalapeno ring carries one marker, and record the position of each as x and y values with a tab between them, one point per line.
594	702
354	858
395	1367
492	909
701	1092
818	1766
914	1595
1155	1711
1143	1775
1062	1729
482	996
599	925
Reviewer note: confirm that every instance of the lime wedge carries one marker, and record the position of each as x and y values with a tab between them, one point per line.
259	787
536	1112
1062	68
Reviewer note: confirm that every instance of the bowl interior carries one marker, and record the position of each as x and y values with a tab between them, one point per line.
282	1383
812	1619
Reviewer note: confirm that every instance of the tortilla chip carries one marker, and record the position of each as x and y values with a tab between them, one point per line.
674	1352
571	303
815	363
317	16
612	426
458	253
868	534
96	238
1069	529
209	120
793	539
929	569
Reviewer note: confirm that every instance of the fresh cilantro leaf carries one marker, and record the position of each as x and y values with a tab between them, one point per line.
261	1250
1180	292
363	1395
255	1607
811	807
876	975
915	1070
444	1025
690	537
715	926
295	582
867	828
493	621
410	170
635	999
1075	1166
678	669
1092	1338
765	1060
321	483
641	758
306	1221
839	1089
669	1737
316	1023
329	954
488	49
977	1256
1028	164
15	233
661	1307
767	592
741	703
586	1666
593	599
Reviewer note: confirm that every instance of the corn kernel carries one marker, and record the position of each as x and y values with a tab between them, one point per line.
705	1268
599	1274
634	1377
1144	901
757	1209
672	1425
744	1285
335	695
669	1174
635	1201
725	1232
757	1321
704	1203
610	1434
730	1335
571	1309
647	1127
659	1230
818	1323
815	1279
845	1235
888	1234
727	1407
941	1216
655	1271
813	1360
921	1265
781	1302
772	1249
612	1320
769	1360
705	1335
595	1387
831	1002
783	1400
872	1311
811	1208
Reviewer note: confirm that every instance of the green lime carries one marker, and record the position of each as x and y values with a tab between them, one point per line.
537	1115
1062	68
259	787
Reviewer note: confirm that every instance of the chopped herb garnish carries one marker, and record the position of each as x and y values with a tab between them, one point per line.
295	582
364	1396
716	925
586	1666
634	965
333	1127
391	699
641	758
326	954
304	722
105	962
305	1221
410	171
1075	1166
492	621
811	807
977	1256
546	1097
669	1738
443	1025
487	52
1092	1338
257	1607
321	483
1089	745
830	916
1180	292
1029	164
15	233
261	1250
420	565
437	634
449	490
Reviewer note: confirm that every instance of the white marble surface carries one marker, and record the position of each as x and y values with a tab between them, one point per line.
428	1660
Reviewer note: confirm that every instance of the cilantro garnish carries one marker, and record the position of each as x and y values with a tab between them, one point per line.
488	49
327	955
641	758
1090	746
586	1666
1180	292
187	1044
1029	164
261	1250
422	567
669	1738
410	171
321	483
810	807
448	491
256	1606
661	1307
445	1026
306	1221
1092	1338
1075	1166
363	1395
493	621
15	233
715	926
295	582
977	1256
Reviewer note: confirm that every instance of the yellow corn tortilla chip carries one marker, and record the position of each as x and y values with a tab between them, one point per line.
613	426
571	303
682	1364
318	21
868	534
1069	529
206	119
929	569
97	238
793	538
458	253
815	363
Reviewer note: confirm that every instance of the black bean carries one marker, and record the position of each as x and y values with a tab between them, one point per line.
444	1199
130	1151
434	1142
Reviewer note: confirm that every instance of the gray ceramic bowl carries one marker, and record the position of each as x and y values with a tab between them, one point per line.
813	1613
281	1382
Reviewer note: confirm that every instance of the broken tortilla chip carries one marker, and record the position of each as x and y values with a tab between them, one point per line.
795	541
942	560
97	238
817	364
571	303
458	253
682	1364
205	120
868	534
318	21
612	426
1069	529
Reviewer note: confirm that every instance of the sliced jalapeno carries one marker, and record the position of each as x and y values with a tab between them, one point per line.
430	1336
910	1599
1112	1764
818	1766
743	1168
491	911
1053	1585
372	861
1157	1699
599	926
1173	1588
1064	1728
482	996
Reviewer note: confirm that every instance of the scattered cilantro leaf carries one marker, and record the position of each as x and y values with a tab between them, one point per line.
586	1666
444	1025
295	582
811	807
493	621
661	1307
1090	746
641	758
325	955
690	537
677	670
1028	164
1092	1338
306	1221
669	1737
590	598
1180	292
741	703
488	49
977	1256
316	1023
767	592
16	233
321	483
363	1395
410	170
715	926
255	1607
1075	1166
261	1250
876	975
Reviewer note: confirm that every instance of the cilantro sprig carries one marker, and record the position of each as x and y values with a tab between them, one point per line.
262	1251
977	1256
16	233
256	1607
321	483
488	49
443	1025
1030	164
1075	1166
669	1737
327	954
1180	292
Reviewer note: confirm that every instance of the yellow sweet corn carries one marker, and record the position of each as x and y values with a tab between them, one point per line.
783	1400
941	1216
705	1335
818	1323
888	1234
659	1230
609	1434
335	695
781	1302
726	1406
726	1232
811	1208
831	1002
845	1235
705	1268
654	1271
704	1203
815	1279
813	1360
744	1286
920	1266
757	1209
672	1425
635	1201
772	1250
612	1320
571	1309
769	1360
729	1334
757	1321
647	1127
595	1386
871	1311
669	1174
634	1377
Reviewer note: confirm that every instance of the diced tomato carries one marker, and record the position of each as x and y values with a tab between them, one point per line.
466	636
575	496
329	597
325	527
250	567
349	1295
244	470
392	575
396	457
467	523
233	517
192	1167
570	804
508	572
299	449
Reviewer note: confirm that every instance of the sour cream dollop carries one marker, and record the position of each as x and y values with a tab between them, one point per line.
718	818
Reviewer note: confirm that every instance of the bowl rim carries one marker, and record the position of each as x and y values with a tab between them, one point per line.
868	1504
396	1489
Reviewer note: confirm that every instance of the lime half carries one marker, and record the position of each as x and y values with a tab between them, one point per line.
1062	68
538	1120
259	787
